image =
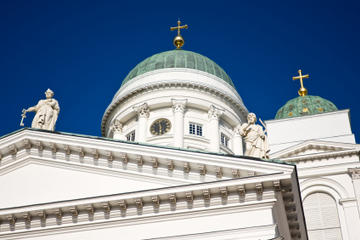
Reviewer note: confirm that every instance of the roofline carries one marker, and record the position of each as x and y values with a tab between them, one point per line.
276	161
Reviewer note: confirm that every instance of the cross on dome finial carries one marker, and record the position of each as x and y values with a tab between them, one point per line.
302	91
178	40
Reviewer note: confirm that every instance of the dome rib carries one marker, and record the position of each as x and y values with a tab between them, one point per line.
178	59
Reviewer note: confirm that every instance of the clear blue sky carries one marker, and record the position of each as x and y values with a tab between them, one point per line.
83	50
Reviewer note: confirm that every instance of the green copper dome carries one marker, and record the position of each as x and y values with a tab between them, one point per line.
178	59
306	105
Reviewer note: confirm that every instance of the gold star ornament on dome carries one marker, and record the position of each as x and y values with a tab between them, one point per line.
178	40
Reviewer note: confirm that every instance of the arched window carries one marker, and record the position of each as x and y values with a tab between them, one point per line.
321	216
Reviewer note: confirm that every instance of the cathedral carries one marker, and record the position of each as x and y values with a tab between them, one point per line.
181	157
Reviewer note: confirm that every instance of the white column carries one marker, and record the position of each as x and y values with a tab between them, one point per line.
352	220
143	113
213	128
179	109
116	127
237	142
355	176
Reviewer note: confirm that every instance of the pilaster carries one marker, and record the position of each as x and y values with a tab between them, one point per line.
237	142
355	176
116	127
143	113
214	114
351	217
179	107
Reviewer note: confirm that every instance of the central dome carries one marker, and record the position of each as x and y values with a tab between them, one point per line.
178	59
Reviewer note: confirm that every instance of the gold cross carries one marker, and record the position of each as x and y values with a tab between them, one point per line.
303	91
179	27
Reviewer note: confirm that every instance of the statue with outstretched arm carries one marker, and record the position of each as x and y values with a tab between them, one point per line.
47	111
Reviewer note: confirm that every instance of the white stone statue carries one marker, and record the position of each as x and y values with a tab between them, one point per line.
255	139
47	111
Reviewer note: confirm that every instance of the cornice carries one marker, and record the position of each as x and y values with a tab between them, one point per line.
333	149
318	156
130	156
205	198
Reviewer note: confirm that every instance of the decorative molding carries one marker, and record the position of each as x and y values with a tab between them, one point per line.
171	165
122	205
96	154
277	186
142	110
235	173
214	113
189	197
175	195
124	158
106	207
179	105
53	148
172	198
90	209
13	150
155	162
139	160
27	143
206	194
259	189
219	172
110	156
81	153
116	126
67	150
27	218
156	201
39	145
203	170
354	173
241	190
74	211
187	167
58	213
223	192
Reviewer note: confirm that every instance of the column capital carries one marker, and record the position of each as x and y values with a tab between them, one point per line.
214	112
179	105
116	126
142	110
354	173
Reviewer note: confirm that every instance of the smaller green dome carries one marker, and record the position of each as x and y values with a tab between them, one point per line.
303	106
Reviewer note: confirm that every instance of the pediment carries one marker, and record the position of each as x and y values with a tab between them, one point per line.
312	147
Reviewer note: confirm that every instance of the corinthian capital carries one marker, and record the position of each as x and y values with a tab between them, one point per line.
142	110
354	173
214	112
116	126
179	105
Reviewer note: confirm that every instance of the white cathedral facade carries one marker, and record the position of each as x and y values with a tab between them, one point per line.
171	165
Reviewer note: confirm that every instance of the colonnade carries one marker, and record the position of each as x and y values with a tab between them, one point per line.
179	108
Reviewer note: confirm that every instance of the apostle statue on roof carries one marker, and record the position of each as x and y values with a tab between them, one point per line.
256	144
47	111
